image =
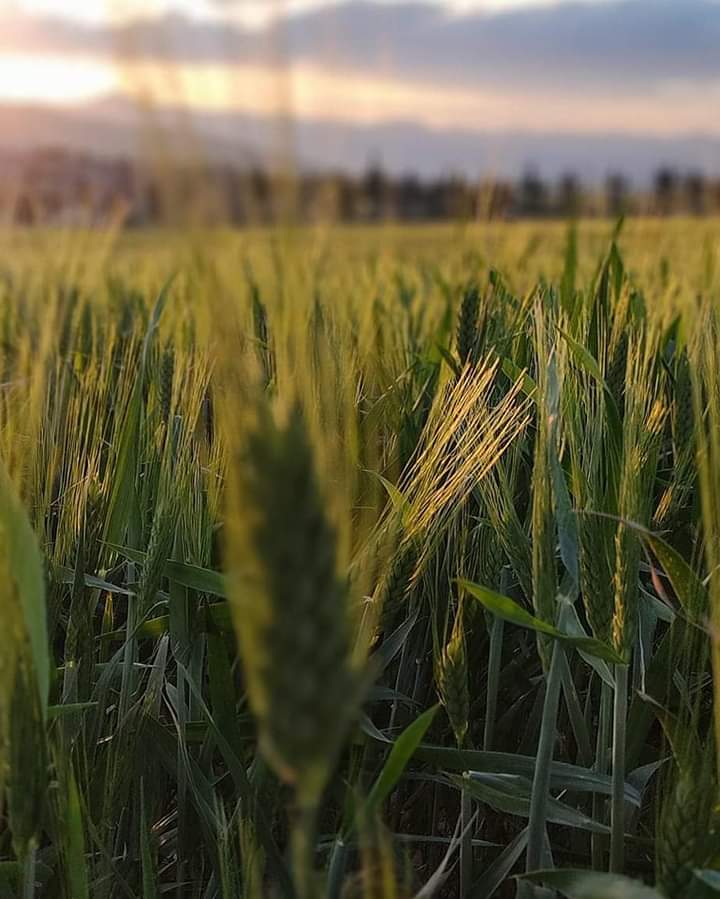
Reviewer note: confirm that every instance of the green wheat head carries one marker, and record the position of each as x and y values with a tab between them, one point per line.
290	603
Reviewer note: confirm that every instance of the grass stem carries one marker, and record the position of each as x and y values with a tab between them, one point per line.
543	761
598	841
497	630
617	813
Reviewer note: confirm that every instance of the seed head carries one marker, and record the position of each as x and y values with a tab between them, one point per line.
451	676
467	333
682	831
290	604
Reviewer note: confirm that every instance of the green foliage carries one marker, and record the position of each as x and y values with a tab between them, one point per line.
256	521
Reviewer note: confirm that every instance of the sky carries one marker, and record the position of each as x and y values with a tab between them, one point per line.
251	12
636	67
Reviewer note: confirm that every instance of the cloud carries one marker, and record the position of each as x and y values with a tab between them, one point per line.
625	66
628	45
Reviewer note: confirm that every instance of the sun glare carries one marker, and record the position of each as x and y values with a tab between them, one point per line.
54	79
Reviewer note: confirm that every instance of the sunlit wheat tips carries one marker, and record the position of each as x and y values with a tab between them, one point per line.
544	575
644	419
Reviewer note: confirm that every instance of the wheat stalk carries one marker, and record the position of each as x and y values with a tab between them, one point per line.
467	329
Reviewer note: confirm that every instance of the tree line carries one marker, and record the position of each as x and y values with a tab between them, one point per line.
57	185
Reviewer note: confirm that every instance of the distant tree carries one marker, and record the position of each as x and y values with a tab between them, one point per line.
375	191
435	199
260	194
694	193
24	210
458	200
617	195
666	188
154	204
532	195
496	199
410	198
569	196
713	195
346	198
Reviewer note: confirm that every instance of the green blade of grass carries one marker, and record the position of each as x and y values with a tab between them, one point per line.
403	749
510	611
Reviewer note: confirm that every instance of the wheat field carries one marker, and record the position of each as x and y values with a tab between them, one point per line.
361	562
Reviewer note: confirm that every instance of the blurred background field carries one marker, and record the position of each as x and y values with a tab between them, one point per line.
524	251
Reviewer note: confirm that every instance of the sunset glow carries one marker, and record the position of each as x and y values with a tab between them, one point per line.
459	70
306	90
251	11
26	78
